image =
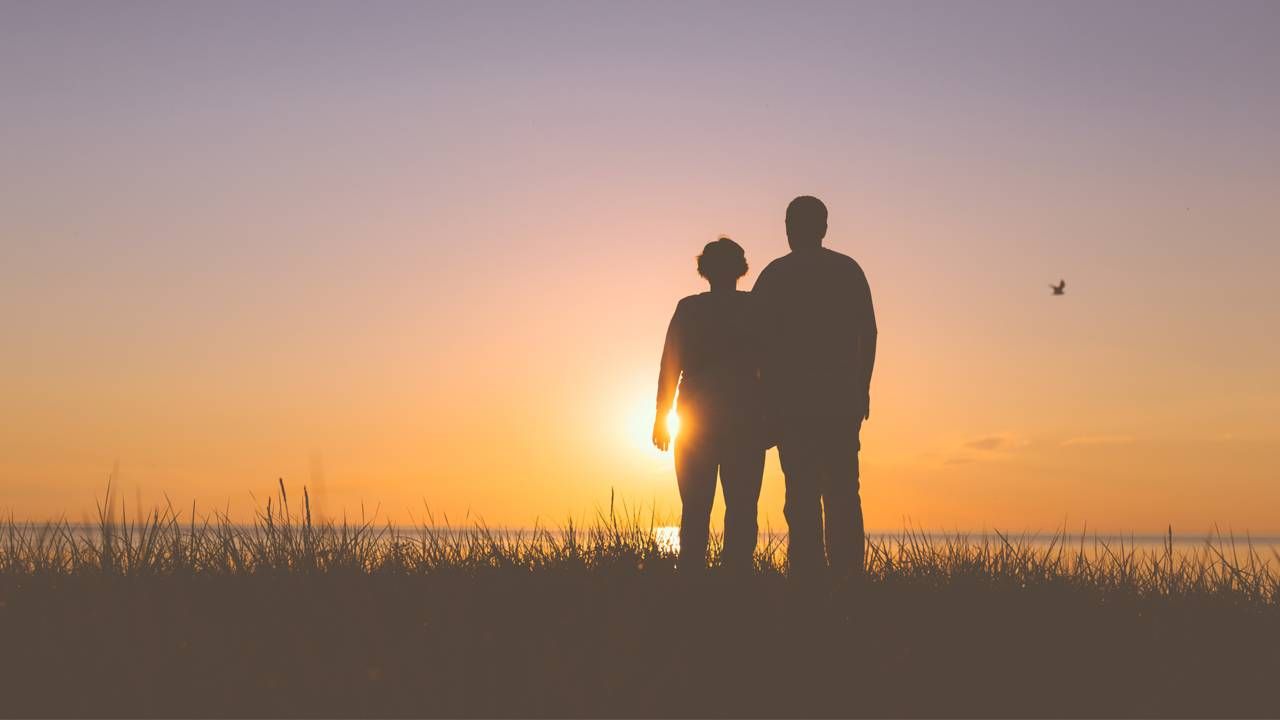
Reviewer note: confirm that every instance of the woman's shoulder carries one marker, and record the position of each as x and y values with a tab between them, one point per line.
691	300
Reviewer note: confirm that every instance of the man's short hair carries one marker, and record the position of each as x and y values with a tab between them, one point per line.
806	219
722	258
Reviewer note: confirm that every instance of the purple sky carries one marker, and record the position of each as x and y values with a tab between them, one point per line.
237	237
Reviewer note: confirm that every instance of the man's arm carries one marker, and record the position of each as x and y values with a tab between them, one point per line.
867	333
764	318
765	301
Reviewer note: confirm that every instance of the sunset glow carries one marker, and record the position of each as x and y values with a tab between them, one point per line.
673	423
425	254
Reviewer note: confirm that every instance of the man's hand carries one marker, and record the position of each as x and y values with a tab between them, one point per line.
661	436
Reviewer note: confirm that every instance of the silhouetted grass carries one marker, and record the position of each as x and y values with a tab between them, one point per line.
170	614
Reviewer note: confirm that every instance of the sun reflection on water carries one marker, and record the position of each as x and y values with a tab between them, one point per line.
668	538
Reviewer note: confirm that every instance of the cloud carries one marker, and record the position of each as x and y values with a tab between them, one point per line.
988	448
992	442
1098	441
1001	441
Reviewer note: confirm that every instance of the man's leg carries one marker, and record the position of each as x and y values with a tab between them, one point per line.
842	505
741	472
803	507
696	475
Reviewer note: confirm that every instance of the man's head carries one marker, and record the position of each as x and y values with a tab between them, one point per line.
806	222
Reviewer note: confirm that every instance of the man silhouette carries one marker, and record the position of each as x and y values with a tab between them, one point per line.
820	330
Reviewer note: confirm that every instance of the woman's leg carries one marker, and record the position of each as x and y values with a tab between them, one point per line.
741	472
696	474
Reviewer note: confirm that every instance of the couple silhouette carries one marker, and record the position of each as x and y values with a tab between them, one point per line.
787	364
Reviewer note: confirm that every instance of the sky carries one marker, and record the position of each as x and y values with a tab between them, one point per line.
420	257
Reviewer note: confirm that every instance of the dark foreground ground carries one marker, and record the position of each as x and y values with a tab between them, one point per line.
179	615
621	642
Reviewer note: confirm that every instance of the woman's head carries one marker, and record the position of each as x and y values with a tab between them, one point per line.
722	261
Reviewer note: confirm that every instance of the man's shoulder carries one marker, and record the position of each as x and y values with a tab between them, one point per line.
804	263
774	264
836	257
769	272
844	262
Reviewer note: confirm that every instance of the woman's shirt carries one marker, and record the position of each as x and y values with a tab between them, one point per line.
712	353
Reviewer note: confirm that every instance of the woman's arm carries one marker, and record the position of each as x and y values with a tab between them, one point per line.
668	378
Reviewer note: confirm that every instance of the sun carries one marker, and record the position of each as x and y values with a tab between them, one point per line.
637	424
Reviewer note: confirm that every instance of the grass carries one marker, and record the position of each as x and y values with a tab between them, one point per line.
171	614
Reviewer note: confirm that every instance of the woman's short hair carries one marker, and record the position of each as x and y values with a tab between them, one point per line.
722	259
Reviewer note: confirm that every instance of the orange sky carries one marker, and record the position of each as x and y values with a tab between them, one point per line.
425	255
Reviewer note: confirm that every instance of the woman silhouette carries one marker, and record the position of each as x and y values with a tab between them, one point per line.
712	352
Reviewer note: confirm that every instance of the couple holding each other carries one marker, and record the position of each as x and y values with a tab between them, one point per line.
787	364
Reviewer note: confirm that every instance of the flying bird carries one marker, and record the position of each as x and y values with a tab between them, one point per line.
1060	288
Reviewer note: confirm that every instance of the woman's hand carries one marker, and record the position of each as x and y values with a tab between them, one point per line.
661	436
